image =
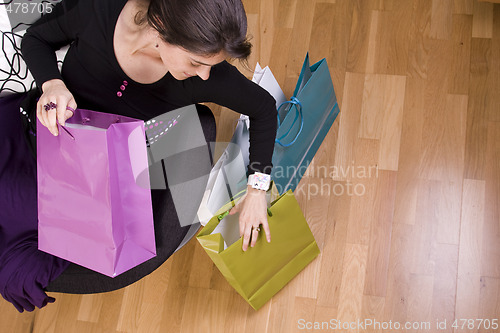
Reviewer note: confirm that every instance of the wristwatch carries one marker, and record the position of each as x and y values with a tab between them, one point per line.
259	181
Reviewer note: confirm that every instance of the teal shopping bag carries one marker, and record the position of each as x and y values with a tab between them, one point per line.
303	123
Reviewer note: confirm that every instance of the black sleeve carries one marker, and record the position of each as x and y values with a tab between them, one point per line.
228	87
50	33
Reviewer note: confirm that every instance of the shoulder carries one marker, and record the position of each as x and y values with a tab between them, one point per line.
106	8
227	86
226	71
227	74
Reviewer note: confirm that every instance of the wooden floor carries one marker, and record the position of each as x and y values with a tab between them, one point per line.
403	196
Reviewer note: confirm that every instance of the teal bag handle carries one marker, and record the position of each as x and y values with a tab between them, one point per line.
298	106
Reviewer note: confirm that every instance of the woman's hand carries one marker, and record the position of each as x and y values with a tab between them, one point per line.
55	105
253	212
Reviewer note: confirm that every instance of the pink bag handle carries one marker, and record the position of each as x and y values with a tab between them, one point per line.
68	132
85	119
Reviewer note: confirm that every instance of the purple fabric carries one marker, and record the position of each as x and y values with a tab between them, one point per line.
24	270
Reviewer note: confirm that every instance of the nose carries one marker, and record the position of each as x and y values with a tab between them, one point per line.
204	72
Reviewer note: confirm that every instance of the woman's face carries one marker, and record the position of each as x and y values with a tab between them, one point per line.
183	64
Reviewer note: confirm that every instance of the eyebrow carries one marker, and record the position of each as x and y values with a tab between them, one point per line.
201	63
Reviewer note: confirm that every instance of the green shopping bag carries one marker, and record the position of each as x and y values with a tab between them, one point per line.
260	272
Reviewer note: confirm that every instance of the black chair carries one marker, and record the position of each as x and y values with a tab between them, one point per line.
170	237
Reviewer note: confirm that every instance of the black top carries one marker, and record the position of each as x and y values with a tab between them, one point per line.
92	74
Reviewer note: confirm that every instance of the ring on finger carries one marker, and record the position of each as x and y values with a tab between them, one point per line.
50	106
255	229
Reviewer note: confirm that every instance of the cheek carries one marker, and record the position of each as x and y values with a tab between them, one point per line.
181	66
171	62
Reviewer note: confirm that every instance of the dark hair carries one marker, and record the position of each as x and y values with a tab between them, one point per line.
203	27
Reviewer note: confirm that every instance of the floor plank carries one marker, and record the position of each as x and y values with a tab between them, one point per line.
418	137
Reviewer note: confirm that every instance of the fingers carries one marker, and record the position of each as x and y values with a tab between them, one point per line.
234	210
255	235
66	112
265	225
250	236
242	230
50	113
253	214
52	121
246	237
46	112
251	232
256	230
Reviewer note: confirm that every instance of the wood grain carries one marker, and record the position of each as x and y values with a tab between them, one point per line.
417	83
482	24
380	235
469	258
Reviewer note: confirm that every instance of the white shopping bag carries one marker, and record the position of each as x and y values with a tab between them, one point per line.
265	78
228	176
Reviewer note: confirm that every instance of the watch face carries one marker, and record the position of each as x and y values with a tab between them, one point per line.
259	181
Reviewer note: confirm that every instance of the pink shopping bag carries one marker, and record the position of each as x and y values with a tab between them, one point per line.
92	208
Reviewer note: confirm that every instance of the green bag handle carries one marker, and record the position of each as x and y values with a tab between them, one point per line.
220	217
236	196
223	215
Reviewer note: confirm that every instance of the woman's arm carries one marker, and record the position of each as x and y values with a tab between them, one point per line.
42	39
228	87
47	35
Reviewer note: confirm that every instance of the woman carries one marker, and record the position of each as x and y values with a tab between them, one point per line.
142	59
